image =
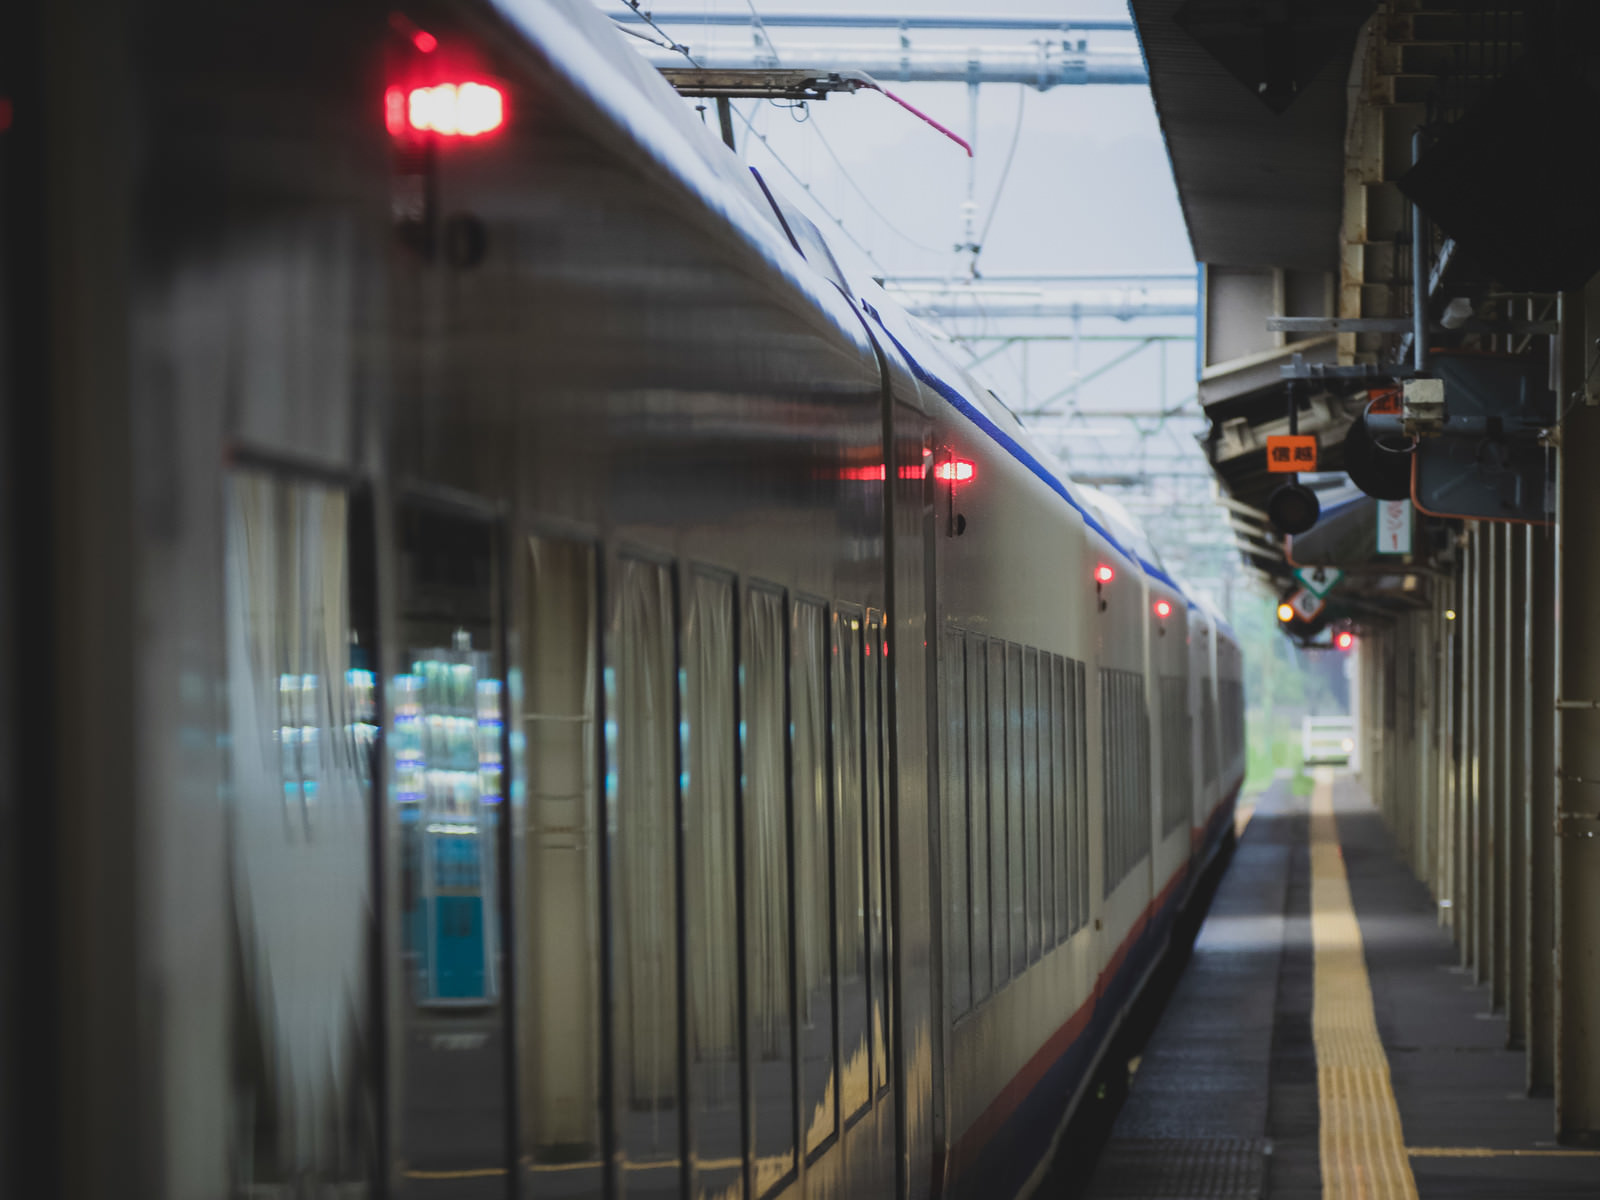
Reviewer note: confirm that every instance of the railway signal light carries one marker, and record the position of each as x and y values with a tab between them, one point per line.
1285	612
466	109
1345	640
957	470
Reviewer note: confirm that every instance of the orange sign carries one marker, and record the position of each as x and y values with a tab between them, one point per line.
1285	454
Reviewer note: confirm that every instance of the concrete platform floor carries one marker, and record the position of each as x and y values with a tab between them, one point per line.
1224	1101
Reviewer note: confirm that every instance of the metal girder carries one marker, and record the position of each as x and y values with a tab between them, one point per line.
879	20
1121	306
927	279
765	83
1043	66
1401	325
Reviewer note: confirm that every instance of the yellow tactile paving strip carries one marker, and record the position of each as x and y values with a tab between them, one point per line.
1362	1148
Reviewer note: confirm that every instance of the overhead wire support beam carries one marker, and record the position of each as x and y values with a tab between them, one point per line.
930	279
1043	66
882	20
1123	306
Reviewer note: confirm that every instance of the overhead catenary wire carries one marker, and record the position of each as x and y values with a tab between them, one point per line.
678	48
794	175
672	44
856	188
1005	174
837	162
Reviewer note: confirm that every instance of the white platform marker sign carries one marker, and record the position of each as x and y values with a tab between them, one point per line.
1394	527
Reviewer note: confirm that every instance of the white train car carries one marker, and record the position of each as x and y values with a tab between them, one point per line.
537	681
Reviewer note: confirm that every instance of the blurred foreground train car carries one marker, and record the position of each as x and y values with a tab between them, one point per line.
524	674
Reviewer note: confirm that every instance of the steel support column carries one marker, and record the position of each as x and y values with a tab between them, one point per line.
1513	786
1483	753
1577	853
1494	765
1539	819
1467	839
1445	750
1477	607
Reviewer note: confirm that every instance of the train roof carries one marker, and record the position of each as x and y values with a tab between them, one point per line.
588	54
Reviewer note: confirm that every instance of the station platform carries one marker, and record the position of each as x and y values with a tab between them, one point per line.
1323	1042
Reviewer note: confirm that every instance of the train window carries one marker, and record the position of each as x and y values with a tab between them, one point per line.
558	885
1125	732
849	807
813	857
958	964
1081	757
999	898
1176	741
767	891
1066	762
1016	821
302	729
1049	803
1208	736
876	680
978	796
1032	843
641	820
446	747
710	881
1115	775
1077	826
1059	791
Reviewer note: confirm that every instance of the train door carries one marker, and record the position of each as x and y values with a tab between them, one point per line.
447	750
910	833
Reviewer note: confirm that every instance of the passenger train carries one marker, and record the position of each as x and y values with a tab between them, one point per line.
530	675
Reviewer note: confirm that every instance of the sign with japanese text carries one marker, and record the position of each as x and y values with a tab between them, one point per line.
1287	453
1394	527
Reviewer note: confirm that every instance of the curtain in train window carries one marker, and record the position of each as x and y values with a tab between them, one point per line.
978	791
1081	757
767	891
446	748
849	808
553	750
1016	818
1114	782
1177	737
999	898
641	802
879	747
1047	809
711	866
953	692
1032	841
813	857
302	728
1208	735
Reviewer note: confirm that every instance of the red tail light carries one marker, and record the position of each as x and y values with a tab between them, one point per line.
1104	574
1163	609
957	470
467	109
865	474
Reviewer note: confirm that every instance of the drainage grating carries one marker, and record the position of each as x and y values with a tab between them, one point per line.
1182	1169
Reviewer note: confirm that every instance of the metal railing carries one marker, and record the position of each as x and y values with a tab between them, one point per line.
1327	739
